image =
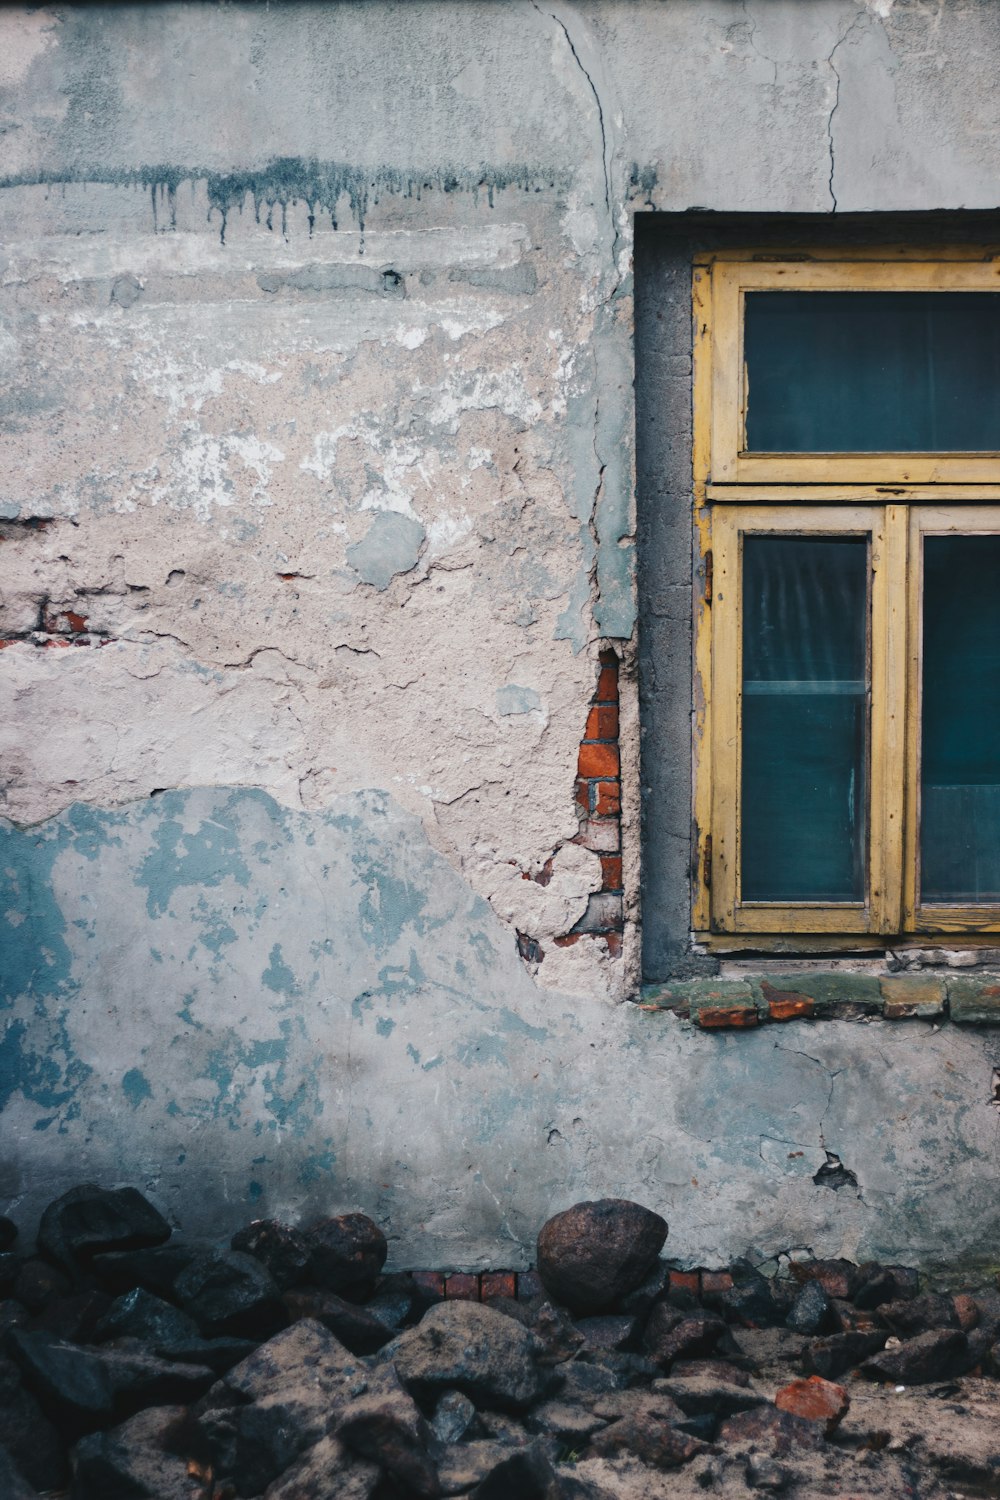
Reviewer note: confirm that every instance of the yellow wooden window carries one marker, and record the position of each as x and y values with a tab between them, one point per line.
847	643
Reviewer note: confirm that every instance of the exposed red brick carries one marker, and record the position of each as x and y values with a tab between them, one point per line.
497	1284
431	1283
607	799
598	760
462	1287
816	1399
607	685
568	939
685	1281
603	835
614	942
715	1017
602	722
716	1281
786	1005
611	872
789	1007
583	795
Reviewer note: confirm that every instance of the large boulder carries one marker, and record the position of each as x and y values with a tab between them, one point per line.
385	1426
346	1254
89	1220
468	1347
231	1293
265	1412
594	1254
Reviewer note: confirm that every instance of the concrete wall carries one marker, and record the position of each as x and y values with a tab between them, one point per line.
318	505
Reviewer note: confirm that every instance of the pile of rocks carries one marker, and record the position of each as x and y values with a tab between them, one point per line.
289	1366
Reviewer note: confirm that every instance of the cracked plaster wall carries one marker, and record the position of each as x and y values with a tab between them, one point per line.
316	349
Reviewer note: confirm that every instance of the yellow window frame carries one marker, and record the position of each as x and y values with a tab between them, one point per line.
896	500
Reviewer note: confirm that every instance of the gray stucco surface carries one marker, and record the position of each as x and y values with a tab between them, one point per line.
256	1010
317	505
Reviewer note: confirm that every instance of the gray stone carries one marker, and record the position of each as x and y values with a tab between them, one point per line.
385	1426
133	1461
454	1414
593	1254
327	1471
471	1348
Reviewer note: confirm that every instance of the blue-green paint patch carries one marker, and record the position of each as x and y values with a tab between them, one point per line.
254	1192
412	1053
317	1165
278	976
513	699
204	858
135	1087
509	1020
385	1026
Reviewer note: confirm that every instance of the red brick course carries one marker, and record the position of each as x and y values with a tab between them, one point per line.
598	796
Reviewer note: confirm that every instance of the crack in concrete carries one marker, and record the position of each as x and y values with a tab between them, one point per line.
600	120
836	102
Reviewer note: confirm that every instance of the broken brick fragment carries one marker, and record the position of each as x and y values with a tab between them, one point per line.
816	1399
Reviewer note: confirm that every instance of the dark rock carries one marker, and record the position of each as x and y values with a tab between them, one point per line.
846	1318
709	1369
753	1305
471	1348
701	1426
218	1355
558	1336
37	1284
155	1271
231	1293
141	1315
13	1485
283	1251
327	1471
453	1417
572	1425
355	1327
613	1331
697	1394
593	1254
585	1383
396	1301
874	1285
768	1430
766	1474
12	1315
465	1465
918	1314
385	1426
840	1352
8	1232
84	1388
668	1337
631	1369
346	1254
654	1286
75	1317
266	1411
810	1312
130	1463
836	1277
26	1433
940	1354
89	1220
649	1438
527	1474
10	1270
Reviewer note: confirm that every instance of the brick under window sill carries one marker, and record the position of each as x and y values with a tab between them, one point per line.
726	1004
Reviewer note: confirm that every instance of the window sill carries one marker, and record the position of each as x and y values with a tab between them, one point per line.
728	1004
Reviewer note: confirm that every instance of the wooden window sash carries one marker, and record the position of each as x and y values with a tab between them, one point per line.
880	910
729	463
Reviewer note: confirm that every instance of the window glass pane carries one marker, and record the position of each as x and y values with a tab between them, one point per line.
804	789
960	720
870	372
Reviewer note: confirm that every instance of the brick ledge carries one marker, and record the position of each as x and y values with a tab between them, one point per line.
728	1004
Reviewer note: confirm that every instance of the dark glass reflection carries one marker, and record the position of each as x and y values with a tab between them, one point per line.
871	372
804	791
960	720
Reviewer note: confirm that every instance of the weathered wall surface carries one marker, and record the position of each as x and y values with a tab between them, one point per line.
316	343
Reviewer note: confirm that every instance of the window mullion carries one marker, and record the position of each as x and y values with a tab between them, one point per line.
888	718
